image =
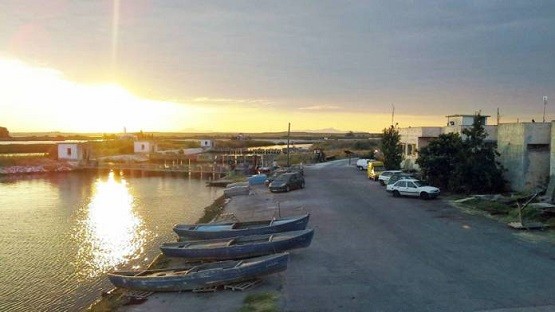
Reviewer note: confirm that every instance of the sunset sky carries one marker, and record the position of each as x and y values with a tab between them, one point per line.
255	66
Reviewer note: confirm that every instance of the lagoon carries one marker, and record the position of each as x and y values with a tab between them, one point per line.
62	232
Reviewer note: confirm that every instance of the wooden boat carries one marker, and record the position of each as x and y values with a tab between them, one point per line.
234	229
239	247
204	275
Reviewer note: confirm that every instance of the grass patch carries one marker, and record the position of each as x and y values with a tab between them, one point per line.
505	209
260	302
492	207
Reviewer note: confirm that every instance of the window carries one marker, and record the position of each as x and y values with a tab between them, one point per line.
401	184
538	147
411	185
411	149
69	151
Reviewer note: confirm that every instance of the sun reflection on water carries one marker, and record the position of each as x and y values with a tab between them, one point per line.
111	233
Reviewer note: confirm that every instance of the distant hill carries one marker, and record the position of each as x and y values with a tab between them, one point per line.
308	135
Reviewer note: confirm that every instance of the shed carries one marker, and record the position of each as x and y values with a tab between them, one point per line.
73	151
206	143
144	147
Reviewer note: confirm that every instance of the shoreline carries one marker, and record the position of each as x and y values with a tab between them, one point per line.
115	298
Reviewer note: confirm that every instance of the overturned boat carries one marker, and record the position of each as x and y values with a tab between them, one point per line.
239	247
200	276
234	229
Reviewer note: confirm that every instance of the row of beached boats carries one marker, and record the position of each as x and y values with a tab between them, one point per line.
222	253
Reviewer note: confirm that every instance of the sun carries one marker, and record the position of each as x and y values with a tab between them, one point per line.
38	99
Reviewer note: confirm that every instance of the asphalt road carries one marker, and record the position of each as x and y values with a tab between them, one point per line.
373	252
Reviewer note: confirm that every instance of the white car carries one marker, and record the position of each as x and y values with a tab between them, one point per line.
413	187
362	164
384	176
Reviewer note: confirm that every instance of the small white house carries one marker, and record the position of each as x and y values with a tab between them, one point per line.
73	151
145	147
206	143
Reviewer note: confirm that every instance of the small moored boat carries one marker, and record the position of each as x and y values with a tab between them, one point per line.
234	229
239	247
204	275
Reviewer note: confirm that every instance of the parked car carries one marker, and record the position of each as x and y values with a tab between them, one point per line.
287	182
384	176
413	187
273	176
298	168
374	169
294	168
398	176
362	164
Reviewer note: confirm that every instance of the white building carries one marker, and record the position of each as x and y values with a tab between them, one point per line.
415	138
457	123
206	143
73	151
145	147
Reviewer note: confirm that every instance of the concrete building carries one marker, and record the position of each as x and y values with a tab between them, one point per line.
524	148
412	140
206	143
457	123
525	154
73	151
145	147
415	138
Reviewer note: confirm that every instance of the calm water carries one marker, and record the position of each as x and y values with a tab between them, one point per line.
61	233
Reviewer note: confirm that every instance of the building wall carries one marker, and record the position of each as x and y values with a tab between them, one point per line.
463	120
491	130
70	151
206	143
525	154
413	139
144	147
525	149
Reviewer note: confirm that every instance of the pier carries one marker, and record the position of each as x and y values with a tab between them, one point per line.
199	170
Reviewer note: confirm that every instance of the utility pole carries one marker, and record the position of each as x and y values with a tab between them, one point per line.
544	105
498	116
392	114
288	152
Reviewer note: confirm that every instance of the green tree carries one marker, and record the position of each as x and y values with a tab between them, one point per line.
391	148
439	159
478	169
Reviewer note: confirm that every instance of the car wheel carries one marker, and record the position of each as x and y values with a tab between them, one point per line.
302	185
396	193
287	188
382	182
424	195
